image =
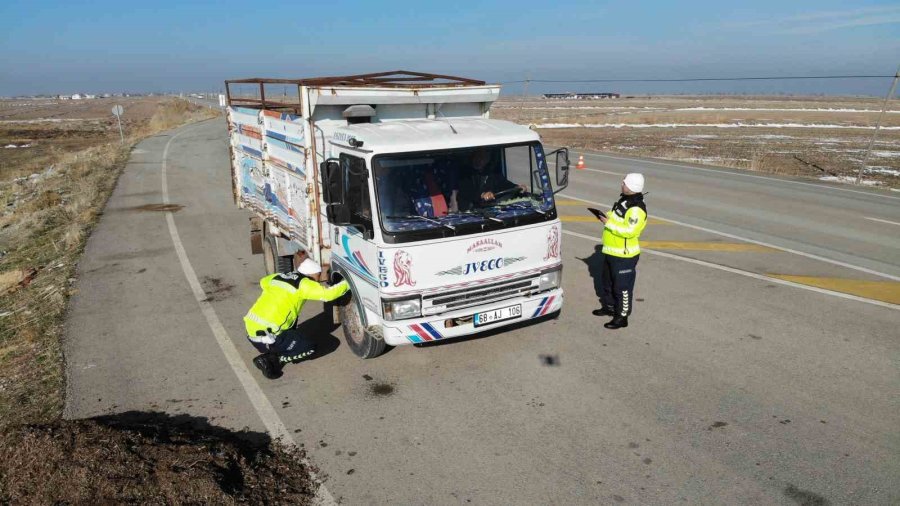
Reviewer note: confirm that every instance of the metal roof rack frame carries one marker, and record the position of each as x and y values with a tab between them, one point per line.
390	79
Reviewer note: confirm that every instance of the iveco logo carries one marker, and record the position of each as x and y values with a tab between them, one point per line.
483	266
492	264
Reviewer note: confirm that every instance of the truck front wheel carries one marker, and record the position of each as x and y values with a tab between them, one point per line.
361	343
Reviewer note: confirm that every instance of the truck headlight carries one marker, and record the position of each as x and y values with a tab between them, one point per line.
402	309
550	279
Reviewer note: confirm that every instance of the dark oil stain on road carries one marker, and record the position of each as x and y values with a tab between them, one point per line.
549	360
633	445
647	461
215	289
381	389
804	497
754	336
172	208
717	425
367	377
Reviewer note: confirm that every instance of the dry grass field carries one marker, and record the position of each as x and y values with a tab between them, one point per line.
821	137
59	161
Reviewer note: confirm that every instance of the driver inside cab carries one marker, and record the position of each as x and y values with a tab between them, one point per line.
482	185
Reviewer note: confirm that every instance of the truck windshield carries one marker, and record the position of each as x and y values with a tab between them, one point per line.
455	192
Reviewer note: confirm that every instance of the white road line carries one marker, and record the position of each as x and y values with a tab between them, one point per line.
634	160
752	241
882	221
274	425
603	172
753	275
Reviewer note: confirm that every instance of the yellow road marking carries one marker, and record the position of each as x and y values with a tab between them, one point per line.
885	291
704	246
589	219
579	219
569	202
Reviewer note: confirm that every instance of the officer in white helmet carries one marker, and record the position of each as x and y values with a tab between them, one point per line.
271	321
622	227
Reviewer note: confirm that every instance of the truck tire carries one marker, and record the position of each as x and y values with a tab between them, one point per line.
361	343
273	262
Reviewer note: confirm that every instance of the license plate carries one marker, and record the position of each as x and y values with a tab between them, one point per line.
497	315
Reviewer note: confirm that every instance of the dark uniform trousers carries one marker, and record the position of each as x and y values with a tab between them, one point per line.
290	346
617	280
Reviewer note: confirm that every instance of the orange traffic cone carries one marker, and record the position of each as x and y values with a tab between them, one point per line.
580	164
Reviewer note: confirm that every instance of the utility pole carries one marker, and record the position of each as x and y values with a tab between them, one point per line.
868	153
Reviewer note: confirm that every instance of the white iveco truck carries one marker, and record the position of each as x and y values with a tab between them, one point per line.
442	220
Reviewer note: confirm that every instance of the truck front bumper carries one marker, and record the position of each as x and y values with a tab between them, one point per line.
460	323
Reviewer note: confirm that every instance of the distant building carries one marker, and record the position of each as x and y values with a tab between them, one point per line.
580	96
77	96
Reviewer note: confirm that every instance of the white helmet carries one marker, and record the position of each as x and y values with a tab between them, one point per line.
309	267
634	181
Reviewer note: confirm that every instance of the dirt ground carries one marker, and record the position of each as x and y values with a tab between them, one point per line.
147	458
35	132
820	137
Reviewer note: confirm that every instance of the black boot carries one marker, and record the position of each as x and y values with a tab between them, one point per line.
603	311
617	322
269	364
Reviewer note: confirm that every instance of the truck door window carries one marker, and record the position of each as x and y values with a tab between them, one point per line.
357	196
520	165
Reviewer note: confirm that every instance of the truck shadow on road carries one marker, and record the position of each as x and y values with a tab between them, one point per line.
595	268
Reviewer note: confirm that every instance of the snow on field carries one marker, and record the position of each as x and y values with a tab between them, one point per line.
48	120
13	146
886	154
710	125
579	107
887	171
773	109
770	137
847	179
699	136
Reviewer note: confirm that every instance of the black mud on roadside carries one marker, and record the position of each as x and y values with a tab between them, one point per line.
141	457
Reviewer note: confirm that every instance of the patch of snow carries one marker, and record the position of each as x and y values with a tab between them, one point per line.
700	136
847	179
887	171
778	109
711	125
690	146
886	154
770	137
13	146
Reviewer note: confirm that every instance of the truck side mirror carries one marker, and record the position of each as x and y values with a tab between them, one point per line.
562	168
334	190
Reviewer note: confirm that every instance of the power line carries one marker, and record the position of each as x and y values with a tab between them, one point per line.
695	79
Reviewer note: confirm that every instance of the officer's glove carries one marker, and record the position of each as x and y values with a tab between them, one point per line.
265	337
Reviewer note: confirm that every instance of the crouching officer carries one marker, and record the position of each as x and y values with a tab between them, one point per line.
270	322
622	225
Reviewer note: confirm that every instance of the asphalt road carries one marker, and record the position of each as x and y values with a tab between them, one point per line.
743	377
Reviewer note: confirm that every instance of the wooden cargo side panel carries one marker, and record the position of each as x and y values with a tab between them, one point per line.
285	155
247	166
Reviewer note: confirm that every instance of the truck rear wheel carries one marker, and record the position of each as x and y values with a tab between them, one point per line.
275	263
361	343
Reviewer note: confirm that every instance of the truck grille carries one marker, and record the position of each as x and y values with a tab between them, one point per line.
483	294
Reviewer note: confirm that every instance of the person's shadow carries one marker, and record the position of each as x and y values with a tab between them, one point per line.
319	328
595	268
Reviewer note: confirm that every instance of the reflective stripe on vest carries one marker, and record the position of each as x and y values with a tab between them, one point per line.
273	327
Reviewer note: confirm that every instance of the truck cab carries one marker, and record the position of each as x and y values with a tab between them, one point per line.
442	220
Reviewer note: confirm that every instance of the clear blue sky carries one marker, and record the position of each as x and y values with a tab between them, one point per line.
70	46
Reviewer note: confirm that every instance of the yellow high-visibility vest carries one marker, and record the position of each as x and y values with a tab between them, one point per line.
624	224
282	300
